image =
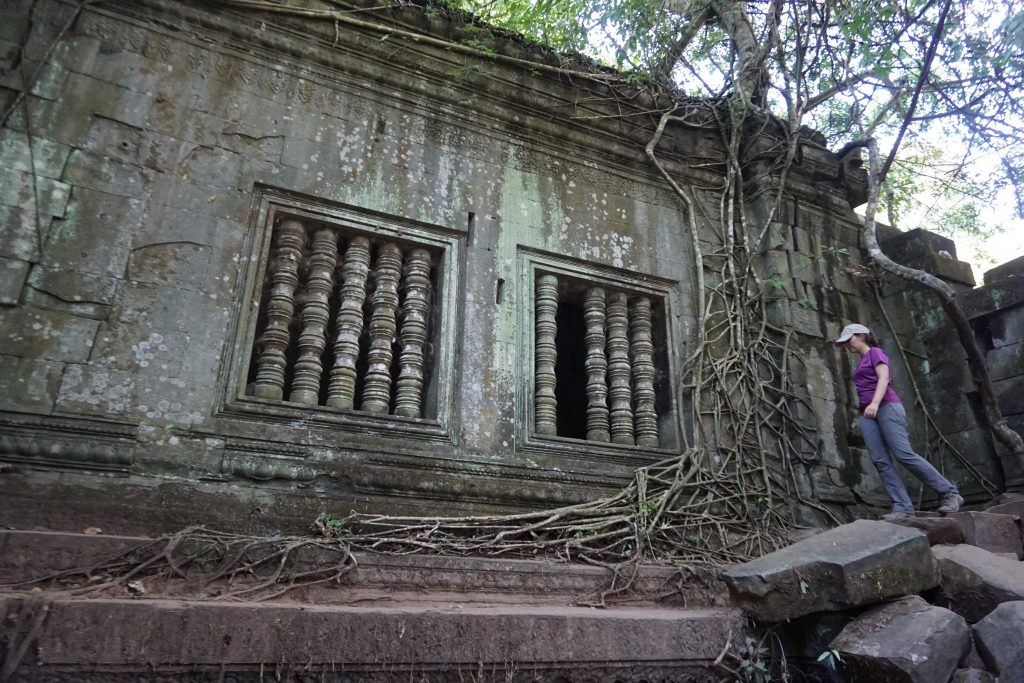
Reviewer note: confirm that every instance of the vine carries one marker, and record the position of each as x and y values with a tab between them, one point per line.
727	498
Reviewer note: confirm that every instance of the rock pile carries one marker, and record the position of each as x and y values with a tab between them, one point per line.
927	599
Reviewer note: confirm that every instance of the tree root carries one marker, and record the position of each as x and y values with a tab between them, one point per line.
216	565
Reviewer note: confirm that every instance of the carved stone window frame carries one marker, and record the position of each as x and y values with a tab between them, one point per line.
269	205
533	263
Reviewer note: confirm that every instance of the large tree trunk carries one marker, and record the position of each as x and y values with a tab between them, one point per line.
749	76
947	297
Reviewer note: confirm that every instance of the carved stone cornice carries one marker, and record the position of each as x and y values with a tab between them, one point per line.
59	443
264	446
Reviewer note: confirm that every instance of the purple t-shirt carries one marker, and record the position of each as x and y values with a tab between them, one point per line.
866	379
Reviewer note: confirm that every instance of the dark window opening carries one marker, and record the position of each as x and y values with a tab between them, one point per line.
570	371
653	416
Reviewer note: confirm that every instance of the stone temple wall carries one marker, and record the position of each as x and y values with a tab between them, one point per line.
910	317
255	267
947	390
997	313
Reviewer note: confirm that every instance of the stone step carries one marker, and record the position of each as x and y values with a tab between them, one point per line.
26	555
115	639
993	531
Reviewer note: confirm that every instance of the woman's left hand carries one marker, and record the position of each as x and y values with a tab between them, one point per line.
871	411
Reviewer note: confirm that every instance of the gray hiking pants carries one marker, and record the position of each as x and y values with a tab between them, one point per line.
886	438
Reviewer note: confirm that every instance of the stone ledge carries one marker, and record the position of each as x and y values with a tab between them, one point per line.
389	578
994	298
926	251
1012	268
139	634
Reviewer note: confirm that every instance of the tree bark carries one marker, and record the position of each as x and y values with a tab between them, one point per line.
749	69
947	298
695	22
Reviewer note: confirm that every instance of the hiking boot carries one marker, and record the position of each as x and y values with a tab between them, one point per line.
893	516
951	502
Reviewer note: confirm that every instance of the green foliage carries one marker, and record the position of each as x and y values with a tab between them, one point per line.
928	188
481	47
630	35
648	506
333	525
753	667
864	59
830	658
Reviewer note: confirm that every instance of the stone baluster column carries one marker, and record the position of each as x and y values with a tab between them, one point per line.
596	365
377	384
289	240
642	351
545	352
411	367
315	315
619	370
348	324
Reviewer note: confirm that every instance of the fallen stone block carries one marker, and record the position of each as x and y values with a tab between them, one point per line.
906	640
854	564
940	530
1012	506
973	660
973	676
996	533
1000	641
809	636
974	581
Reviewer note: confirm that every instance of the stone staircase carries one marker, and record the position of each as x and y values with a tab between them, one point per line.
396	618
433	619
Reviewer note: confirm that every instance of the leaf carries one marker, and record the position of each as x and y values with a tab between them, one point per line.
92	531
803	587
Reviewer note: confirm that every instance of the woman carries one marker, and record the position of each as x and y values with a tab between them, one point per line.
883	423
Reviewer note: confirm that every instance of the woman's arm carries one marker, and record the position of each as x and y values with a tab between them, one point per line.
882	371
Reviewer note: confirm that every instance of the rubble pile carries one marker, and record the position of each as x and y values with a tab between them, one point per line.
924	600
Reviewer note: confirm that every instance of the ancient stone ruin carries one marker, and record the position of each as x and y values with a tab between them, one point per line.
258	267
852	597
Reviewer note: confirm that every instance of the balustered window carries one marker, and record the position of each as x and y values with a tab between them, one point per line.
351	317
600	355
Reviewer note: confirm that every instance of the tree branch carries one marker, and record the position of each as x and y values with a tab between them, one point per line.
675	51
947	298
922	79
831	92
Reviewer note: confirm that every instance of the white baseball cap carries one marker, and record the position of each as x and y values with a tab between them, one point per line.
851	330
